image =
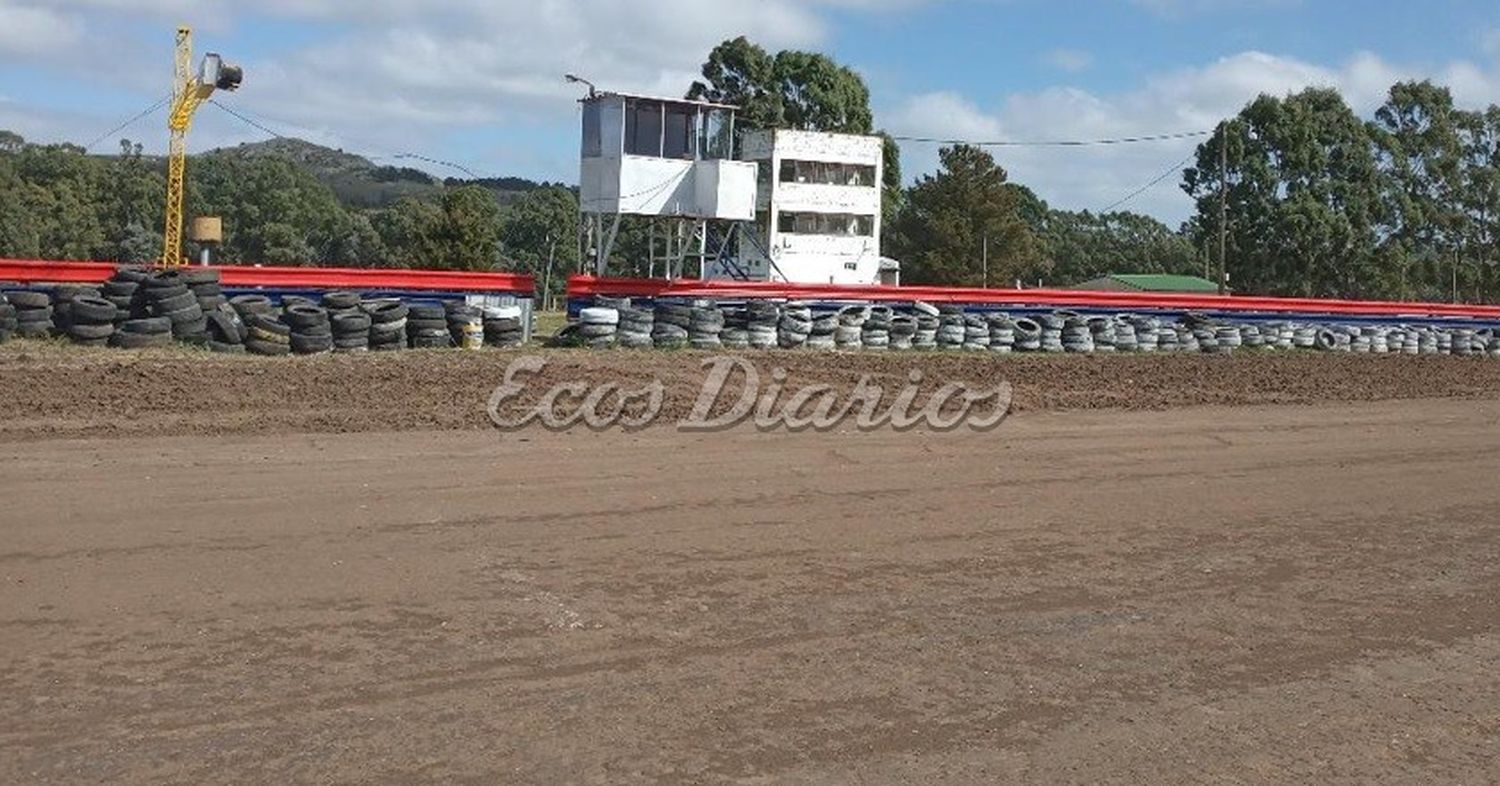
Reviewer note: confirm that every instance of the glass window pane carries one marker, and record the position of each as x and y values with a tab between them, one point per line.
643	128
678	139
593	146
714	138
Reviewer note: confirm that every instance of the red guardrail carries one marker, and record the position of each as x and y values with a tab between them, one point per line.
28	271
586	286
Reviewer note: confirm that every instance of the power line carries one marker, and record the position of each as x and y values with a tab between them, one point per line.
398	156
1143	189
132	121
1124	140
246	120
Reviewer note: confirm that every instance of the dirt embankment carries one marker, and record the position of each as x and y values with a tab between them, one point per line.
50	390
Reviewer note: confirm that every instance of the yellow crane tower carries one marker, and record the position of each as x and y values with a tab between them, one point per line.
189	91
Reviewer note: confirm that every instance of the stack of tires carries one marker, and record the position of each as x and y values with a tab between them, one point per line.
142	332
33	312
503	328
877	329
265	334
634	328
311	332
903	331
764	320
427	326
7	319
204	283
822	332
1102	332
671	324
465	325
1002	333
351	330
705	326
848	328
388	320
598	326
950	334
124	290
736	332
246	305
928	323
340	302
1052	330
1028	335
976	332
168	295
91	320
794	326
1126	339
226	331
1076	335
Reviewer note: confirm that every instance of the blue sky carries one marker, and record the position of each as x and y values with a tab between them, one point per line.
479	81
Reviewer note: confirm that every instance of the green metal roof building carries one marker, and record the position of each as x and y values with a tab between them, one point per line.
1150	282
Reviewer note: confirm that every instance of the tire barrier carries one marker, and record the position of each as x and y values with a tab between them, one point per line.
140	308
8	320
764	324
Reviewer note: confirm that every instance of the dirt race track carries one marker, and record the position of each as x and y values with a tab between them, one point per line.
1129	592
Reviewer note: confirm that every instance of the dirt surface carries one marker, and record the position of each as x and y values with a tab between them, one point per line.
1246	594
54	390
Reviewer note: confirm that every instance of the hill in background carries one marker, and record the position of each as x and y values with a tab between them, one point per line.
360	183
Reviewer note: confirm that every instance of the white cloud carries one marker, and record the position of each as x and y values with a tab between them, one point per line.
1069	60
28	31
1183	100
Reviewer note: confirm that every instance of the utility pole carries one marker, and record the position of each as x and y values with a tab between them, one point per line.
547	278
985	256
1223	205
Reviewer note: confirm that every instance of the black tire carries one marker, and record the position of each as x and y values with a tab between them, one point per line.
94	310
257	347
23	299
131	274
212	302
387	311
150	326
127	340
352	323
85	332
191	329
165	305
200	276
35	316
427	311
341	300
119	288
287	301
351	343
266	324
305	344
264	336
189	314
304	316
165	279
223	328
251	304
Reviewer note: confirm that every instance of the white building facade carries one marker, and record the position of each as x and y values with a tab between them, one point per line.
817	208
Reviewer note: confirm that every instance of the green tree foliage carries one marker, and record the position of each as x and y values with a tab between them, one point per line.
541	226
1079	246
949	217
1304	197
